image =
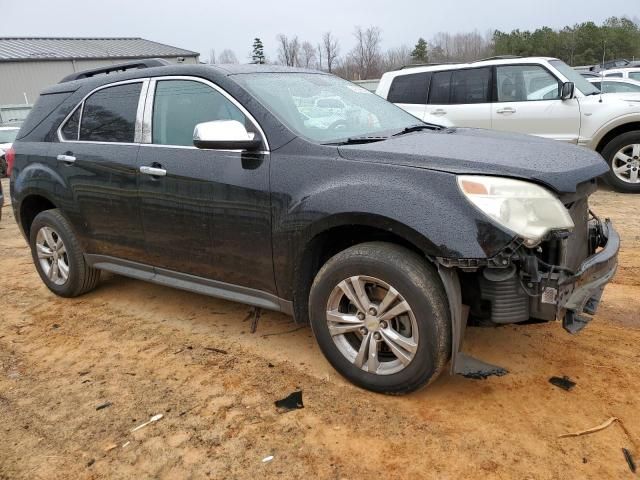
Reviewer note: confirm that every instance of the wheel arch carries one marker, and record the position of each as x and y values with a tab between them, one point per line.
30	206
339	232
616	131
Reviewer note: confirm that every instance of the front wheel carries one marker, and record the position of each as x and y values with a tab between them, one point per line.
623	155
381	317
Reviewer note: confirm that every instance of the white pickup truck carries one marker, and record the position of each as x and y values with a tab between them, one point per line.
535	95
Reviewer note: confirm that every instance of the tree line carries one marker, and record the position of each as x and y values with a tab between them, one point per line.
581	44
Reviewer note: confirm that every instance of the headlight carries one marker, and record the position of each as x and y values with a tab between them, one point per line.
525	208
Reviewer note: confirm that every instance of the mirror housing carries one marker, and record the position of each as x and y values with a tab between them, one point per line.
224	135
568	91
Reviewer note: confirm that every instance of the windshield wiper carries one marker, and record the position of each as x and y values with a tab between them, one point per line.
358	140
418	127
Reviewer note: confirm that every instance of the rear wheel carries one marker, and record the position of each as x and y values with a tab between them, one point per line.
58	256
380	316
623	155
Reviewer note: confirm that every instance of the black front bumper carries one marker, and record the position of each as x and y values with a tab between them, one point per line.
580	293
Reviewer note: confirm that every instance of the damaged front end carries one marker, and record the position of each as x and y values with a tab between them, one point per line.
561	278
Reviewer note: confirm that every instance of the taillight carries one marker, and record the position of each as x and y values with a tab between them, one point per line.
10	157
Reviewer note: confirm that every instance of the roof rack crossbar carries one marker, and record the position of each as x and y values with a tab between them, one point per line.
121	67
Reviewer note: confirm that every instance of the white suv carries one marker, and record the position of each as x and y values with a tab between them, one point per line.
535	95
630	72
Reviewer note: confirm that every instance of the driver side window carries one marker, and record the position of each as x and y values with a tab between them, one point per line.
179	105
523	83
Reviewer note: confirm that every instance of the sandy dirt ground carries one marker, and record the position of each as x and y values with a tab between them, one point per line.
152	350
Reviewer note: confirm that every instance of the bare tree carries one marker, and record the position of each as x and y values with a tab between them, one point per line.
288	50
395	58
212	56
331	49
319	56
366	54
307	55
460	47
227	56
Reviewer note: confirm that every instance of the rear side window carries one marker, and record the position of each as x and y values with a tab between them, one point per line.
411	89
109	115
471	86
440	88
618	75
42	109
179	105
70	129
634	75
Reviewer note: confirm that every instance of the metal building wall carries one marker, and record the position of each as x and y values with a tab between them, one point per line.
18	79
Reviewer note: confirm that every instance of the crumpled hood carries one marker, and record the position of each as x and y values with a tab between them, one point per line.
558	165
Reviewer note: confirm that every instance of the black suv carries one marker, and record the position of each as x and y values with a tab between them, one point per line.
386	233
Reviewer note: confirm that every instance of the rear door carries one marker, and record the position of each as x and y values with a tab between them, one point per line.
410	91
528	101
97	155
461	98
208	214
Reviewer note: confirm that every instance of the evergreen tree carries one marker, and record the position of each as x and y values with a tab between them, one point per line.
258	51
420	54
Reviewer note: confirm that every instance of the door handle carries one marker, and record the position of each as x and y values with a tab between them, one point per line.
506	110
68	159
439	111
153	171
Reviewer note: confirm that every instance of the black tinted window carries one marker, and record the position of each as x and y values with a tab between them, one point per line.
109	115
179	105
440	88
411	88
471	86
70	129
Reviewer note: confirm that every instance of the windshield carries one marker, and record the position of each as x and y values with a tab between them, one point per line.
324	108
9	135
578	80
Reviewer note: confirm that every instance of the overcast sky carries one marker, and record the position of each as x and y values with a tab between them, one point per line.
201	25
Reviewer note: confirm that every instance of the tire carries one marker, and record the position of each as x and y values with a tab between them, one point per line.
614	152
426	327
49	227
3	167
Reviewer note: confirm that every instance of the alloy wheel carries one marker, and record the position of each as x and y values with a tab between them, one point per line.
52	255
372	325
626	164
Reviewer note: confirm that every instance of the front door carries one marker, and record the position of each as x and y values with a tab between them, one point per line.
528	101
204	212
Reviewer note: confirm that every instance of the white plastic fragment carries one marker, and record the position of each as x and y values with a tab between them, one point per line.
155	418
125	444
267	459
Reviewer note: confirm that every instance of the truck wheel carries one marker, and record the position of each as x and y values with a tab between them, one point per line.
623	155
58	256
380	316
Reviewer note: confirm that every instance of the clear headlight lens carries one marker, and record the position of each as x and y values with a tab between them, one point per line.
527	209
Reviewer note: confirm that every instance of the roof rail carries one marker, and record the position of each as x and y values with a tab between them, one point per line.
431	64
497	57
121	67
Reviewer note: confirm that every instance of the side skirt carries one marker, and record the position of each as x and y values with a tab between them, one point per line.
191	283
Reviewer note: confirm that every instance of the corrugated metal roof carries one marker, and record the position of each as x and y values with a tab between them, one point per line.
58	48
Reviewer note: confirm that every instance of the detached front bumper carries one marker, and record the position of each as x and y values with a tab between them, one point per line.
580	293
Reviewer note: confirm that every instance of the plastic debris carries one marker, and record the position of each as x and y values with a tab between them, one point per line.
564	383
629	459
267	459
104	405
155	418
292	402
108	448
125	444
216	350
602	426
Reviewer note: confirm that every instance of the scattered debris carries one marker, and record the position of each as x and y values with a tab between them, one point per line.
254	315
628	458
84	372
108	448
470	367
270	365
564	383
91	462
104	405
55	326
267	459
125	444
216	350
292	402
155	418
590	430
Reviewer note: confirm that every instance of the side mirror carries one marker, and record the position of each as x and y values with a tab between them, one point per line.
568	90
224	135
